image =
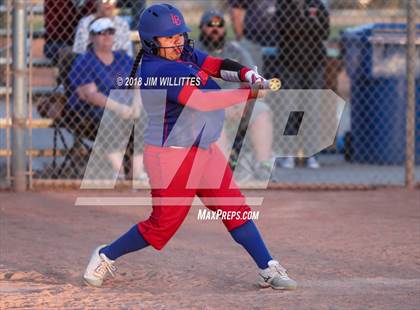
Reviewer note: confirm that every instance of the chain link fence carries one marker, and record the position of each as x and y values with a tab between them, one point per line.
338	122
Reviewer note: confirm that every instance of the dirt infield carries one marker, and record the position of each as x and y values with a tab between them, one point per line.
347	250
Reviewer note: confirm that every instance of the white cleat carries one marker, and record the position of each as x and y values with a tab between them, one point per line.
275	276
99	266
312	163
288	163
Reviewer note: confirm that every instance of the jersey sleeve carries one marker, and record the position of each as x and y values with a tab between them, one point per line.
127	62
81	73
199	57
211	65
168	78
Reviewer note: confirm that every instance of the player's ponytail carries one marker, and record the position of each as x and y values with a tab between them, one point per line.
136	64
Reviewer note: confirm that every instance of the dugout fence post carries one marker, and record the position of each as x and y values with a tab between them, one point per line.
19	95
411	94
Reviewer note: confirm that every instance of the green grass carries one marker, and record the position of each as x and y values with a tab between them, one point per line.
335	30
38	24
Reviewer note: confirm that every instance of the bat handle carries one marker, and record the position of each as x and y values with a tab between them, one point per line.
271	84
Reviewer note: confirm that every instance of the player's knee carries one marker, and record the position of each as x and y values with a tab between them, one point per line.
159	244
238	217
156	234
157	241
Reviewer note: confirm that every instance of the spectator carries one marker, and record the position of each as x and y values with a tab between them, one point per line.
60	20
104	8
212	40
254	24
92	77
302	25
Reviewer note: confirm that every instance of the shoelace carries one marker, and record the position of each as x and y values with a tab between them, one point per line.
282	271
104	267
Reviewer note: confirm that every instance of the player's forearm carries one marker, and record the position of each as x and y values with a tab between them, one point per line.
206	101
100	100
225	69
95	98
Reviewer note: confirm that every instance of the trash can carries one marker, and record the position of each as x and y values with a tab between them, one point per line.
375	60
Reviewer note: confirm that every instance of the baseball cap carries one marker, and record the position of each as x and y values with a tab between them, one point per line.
101	24
208	15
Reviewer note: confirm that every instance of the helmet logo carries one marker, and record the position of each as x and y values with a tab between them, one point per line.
176	20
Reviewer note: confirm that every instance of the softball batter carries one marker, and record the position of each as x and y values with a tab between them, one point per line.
181	156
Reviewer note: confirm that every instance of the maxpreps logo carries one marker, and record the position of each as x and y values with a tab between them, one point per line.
175	20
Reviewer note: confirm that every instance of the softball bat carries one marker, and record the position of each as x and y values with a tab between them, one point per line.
272	84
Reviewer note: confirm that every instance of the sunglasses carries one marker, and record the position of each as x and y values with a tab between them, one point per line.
216	23
109	31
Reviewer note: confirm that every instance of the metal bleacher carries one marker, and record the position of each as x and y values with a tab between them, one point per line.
37	92
37	9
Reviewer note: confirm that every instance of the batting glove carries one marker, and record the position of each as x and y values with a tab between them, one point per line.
253	77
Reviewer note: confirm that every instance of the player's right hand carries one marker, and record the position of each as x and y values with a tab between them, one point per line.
252	77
